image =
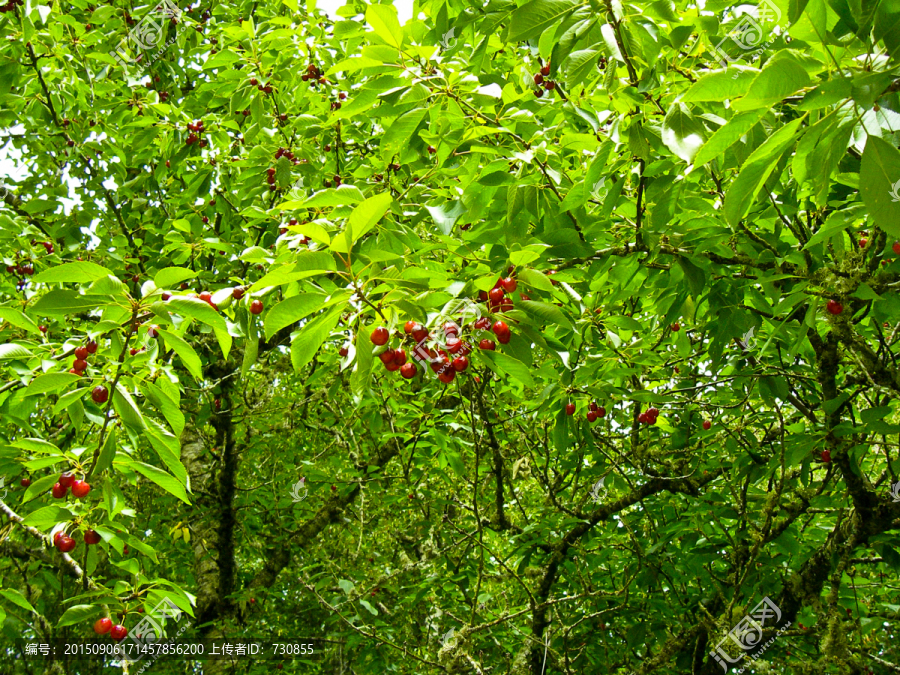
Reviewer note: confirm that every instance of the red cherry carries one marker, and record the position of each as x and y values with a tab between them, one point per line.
896	247
496	295
500	328
165	296
591	416
153	331
454	345
538	93
387	357
102	626
409	327
59	491
237	292
483	323
408	370
343	351
863	242
545	70
81	353
460	363
487	344
570	408
80	489
707	425
482	296
43	329
439	364
446	376
206	296
118	632
420	333
504	338
392	366
399	357
90	538
25	482
80	365
66	479
676	327
65	543
92	347
256	307
593	406
380	336
601	412
509	284
100	394
653	412
826	456
538	78
834	307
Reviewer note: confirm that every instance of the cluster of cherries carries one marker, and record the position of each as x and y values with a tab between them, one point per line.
539	80
313	75
48	246
80	488
595	412
105	625
195	128
265	88
81	353
648	417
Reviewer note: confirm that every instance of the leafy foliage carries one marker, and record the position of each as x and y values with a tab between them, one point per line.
685	222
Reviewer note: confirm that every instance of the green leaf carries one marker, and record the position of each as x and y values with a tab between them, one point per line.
77	614
534	17
681	133
372	610
194	308
298	307
251	348
580	66
185	352
107	452
169	277
12	351
47	517
729	83
727	135
879	183
306	264
359	380
364	217
127	409
780	78
167	447
383	19
400	132
166	481
18	319
16	598
75	272
756	171
306	343
65	301
511	366
535	279
545	312
41	485
44	384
